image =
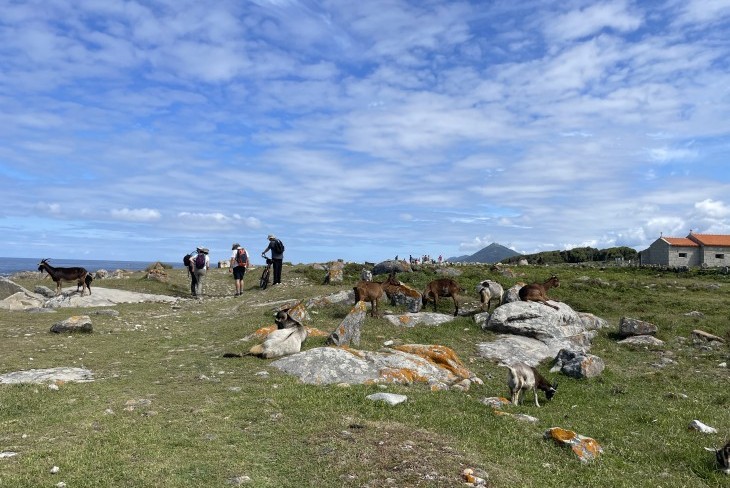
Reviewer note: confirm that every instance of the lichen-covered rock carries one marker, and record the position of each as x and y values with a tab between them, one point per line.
643	341
50	375
349	329
76	323
335	272
578	364
386	267
439	367
420	318
628	327
585	448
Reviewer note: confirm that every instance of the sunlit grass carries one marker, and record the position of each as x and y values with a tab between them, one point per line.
167	410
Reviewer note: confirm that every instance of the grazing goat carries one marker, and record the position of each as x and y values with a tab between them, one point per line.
537	292
442	287
372	291
489	290
523	377
79	275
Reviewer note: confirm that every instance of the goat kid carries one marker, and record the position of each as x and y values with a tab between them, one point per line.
489	290
442	287
86	281
537	292
58	275
522	378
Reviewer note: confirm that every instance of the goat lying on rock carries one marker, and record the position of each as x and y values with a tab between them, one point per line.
523	377
58	275
537	292
442	287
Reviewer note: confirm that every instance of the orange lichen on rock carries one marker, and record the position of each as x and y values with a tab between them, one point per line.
405	319
402	375
585	448
314	332
264	331
441	356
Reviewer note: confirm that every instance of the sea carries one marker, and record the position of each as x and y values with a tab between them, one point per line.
9	266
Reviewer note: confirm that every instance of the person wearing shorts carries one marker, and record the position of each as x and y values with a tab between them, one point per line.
238	266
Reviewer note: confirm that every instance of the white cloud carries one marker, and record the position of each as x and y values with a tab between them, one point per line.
137	214
712	209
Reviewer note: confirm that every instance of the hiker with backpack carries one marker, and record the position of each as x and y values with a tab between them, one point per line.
188	262
239	263
277	256
201	264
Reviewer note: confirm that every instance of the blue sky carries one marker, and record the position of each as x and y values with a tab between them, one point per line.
360	130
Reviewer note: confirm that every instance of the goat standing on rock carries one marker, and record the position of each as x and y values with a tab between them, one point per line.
77	274
537	292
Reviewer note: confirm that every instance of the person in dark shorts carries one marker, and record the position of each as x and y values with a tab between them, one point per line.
239	263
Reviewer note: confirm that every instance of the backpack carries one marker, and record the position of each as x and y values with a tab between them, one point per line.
241	257
277	246
200	261
186	260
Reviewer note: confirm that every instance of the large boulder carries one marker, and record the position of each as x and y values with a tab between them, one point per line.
532	332
386	267
8	288
76	323
628	327
436	366
420	318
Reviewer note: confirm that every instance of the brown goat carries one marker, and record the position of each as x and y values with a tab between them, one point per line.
537	292
58	275
372	291
442	287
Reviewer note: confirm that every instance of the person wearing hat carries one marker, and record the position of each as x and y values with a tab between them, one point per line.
201	264
277	256
239	263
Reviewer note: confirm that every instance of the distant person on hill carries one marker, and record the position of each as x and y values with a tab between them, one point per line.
201	265
277	256
239	263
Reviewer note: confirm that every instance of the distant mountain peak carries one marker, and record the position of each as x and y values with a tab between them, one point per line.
493	253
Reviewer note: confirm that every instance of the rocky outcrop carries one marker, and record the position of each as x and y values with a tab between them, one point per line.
51	375
532	332
629	327
349	329
437	366
420	318
386	267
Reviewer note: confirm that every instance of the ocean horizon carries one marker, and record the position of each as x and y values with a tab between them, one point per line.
10	266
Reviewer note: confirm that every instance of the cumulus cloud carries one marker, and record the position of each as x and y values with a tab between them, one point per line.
712	209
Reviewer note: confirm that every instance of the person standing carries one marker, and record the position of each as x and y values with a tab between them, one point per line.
239	263
277	256
188	261
201	265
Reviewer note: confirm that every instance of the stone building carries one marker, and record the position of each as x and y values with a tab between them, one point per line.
711	250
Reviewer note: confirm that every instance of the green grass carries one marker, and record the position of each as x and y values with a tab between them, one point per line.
167	410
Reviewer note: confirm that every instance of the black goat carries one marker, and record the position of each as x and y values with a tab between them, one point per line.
77	274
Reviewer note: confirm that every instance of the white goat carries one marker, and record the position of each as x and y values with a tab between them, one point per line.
489	290
523	377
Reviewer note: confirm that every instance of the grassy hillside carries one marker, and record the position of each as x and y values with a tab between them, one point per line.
166	410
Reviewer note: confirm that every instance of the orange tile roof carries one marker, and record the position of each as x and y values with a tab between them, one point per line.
712	239
680	241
